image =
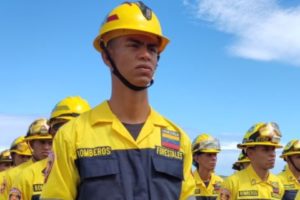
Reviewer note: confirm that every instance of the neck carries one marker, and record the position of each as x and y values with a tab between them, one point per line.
205	174
131	107
262	173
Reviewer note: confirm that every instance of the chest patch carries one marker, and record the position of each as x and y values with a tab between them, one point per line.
169	153
245	193
170	139
93	152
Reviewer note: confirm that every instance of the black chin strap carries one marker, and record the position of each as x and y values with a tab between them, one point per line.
119	75
297	168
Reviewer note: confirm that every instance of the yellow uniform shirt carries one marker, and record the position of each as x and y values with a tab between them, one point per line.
2	184
30	182
211	191
11	175
97	158
290	183
246	184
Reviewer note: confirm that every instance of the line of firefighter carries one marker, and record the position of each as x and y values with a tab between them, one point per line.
31	156
252	180
149	158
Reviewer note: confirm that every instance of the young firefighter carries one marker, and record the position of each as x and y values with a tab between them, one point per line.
26	185
65	110
123	148
291	176
205	149
5	160
21	154
256	181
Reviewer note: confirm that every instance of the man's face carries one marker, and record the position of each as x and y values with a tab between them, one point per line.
19	159
262	156
207	161
41	148
135	57
295	159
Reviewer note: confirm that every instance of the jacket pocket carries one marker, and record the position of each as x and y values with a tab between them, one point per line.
167	177
93	167
99	178
168	166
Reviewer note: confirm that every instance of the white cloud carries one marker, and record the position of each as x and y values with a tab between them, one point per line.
12	127
225	145
263	30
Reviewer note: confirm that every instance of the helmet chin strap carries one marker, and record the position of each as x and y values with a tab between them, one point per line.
117	73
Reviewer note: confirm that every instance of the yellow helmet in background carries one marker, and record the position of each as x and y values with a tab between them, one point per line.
38	130
69	108
241	162
127	19
20	146
267	134
5	156
292	148
206	143
242	158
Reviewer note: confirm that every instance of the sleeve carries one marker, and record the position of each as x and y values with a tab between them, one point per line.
7	185
227	190
2	183
188	184
63	178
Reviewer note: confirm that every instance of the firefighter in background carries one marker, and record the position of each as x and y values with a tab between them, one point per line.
5	160
291	176
5	164
21	154
28	184
123	149
205	149
242	162
256	181
20	151
65	110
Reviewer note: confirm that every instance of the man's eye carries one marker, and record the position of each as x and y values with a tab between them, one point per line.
153	49
133	45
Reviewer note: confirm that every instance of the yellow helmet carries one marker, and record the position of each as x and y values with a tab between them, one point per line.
5	156
130	18
238	165
20	146
267	134
69	107
292	148
242	158
38	130
206	143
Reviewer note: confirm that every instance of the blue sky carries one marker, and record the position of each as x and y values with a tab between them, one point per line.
230	64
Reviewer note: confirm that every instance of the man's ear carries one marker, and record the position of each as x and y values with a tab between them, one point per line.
105	59
249	152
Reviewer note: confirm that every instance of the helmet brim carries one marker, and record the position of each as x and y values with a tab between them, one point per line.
242	146
122	32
